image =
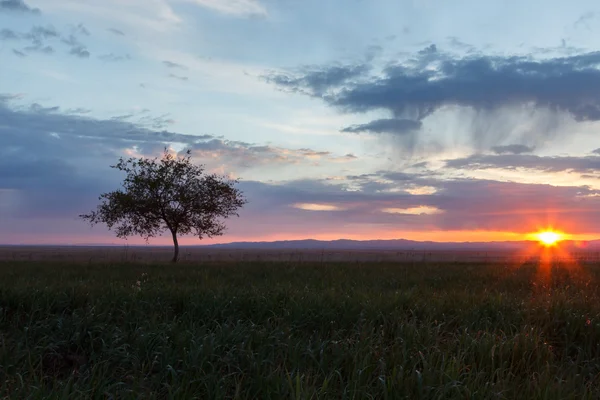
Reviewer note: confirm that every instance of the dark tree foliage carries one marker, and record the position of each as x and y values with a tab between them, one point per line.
171	194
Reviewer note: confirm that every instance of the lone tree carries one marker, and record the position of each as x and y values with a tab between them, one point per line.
171	194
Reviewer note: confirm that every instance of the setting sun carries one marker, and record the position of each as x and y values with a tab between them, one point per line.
549	238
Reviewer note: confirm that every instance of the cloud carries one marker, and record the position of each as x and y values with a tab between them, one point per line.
145	119
325	209
77	48
586	164
234	7
80	52
316	207
39	49
170	64
420	210
9	34
512	149
55	162
584	19
34	122
17	6
487	86
455	205
39	36
116	31
78	110
111	57
80	29
316	81
39	32
237	155
515	207
178	77
19	53
394	126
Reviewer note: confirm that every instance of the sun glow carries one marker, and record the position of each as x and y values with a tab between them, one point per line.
549	238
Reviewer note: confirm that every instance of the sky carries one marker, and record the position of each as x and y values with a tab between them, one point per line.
358	119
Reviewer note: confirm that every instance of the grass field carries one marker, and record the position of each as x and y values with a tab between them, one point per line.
299	331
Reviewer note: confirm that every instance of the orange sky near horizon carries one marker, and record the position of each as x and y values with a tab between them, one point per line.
433	236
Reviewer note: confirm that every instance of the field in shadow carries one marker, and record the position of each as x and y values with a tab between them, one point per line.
299	331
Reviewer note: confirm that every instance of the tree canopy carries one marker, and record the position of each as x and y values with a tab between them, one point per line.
168	194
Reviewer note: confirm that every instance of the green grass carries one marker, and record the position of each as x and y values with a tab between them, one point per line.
275	331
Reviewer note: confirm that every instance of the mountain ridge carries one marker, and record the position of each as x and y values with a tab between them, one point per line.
390	244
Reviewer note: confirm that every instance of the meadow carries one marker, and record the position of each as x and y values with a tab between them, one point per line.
299	331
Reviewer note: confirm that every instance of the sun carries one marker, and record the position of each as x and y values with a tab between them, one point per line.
549	238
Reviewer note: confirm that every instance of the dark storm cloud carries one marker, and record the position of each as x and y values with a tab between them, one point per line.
584	164
317	81
397	126
512	149
570	84
17	6
415	88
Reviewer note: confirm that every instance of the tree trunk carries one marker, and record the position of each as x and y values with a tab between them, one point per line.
176	247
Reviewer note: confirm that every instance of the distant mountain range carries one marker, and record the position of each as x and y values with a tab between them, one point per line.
347	244
395	244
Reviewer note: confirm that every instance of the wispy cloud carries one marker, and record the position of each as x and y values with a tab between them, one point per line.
512	149
317	207
115	31
17	6
420	210
111	57
9	34
583	164
19	53
42	39
179	77
170	64
239	155
395	126
234	7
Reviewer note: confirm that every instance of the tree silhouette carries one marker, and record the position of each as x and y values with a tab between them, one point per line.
171	194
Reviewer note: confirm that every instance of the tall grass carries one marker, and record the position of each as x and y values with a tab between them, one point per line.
258	331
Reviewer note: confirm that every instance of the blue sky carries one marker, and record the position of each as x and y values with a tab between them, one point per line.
350	118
